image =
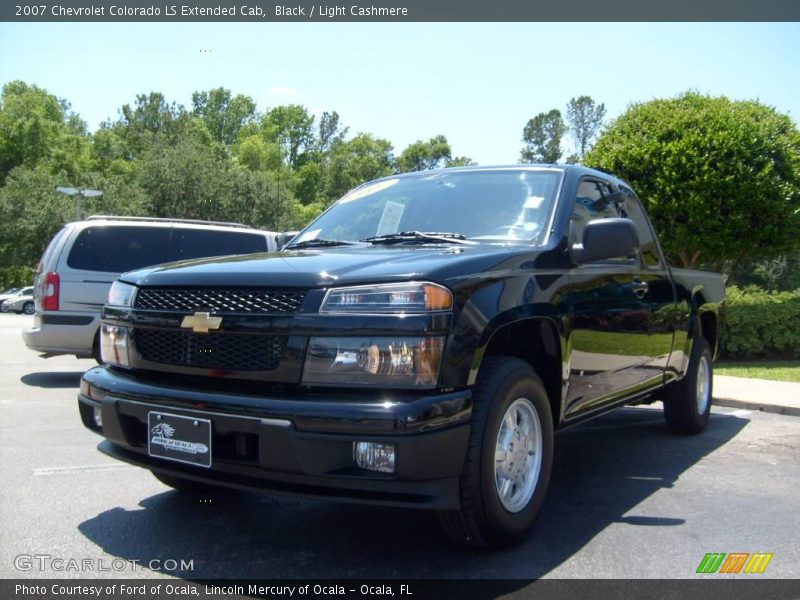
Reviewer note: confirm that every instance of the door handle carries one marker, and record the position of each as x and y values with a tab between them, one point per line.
639	287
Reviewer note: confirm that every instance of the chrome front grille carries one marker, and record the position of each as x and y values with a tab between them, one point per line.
219	300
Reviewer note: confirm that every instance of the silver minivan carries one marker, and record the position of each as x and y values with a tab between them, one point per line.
84	258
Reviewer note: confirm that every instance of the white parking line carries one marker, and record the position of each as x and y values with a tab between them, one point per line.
80	469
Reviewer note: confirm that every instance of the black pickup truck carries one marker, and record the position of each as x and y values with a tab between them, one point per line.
415	345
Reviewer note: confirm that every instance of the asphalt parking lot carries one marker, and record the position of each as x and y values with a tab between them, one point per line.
627	500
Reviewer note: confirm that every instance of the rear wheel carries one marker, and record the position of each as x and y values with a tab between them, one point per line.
687	403
28	308
509	458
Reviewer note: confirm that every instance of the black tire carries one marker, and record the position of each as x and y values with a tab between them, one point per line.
187	486
687	405
28	308
482	520
3	307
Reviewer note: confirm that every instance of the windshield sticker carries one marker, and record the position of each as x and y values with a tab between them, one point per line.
368	190
390	219
533	202
311	234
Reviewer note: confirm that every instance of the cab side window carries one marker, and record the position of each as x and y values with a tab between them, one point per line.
590	203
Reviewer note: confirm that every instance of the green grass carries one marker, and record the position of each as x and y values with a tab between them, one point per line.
606	342
777	370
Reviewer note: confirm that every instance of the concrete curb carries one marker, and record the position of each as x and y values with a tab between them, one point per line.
778	397
792	411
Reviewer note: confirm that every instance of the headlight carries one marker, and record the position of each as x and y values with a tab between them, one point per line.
121	294
381	361
388	298
114	344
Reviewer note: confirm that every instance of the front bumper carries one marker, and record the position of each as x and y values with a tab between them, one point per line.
293	443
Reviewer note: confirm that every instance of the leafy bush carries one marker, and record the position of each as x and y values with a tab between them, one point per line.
720	178
15	277
761	324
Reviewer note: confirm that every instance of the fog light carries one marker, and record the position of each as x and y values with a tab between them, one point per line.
98	416
374	456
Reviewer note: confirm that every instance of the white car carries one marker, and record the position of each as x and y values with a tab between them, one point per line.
21	300
84	258
6	294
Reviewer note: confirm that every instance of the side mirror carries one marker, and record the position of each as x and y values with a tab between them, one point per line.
284	238
606	238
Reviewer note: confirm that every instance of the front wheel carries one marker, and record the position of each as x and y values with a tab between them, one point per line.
687	403
3	307
509	458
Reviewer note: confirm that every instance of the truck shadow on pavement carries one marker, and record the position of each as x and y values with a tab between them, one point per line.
53	379
603	470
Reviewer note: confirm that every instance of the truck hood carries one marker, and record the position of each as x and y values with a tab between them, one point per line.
331	266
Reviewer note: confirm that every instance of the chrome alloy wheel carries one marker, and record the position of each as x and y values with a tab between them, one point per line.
703	385
518	455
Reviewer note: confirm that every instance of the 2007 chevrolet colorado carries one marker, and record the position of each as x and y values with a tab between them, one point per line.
415	345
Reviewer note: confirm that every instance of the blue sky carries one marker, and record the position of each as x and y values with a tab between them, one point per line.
477	83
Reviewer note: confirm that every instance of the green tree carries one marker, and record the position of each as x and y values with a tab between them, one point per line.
354	161
262	199
331	131
191	180
185	180
720	178
421	156
36	128
292	128
149	122
781	273
223	113
258	154
542	138
151	112
461	161
109	153
308	179
32	211
585	118
221	161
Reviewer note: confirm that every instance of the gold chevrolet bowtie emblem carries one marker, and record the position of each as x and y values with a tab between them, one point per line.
201	322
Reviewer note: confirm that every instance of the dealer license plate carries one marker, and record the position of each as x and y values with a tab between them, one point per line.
178	438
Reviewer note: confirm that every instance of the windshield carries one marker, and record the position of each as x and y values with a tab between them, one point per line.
492	206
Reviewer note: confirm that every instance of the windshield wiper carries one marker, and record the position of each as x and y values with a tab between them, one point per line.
427	237
319	243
